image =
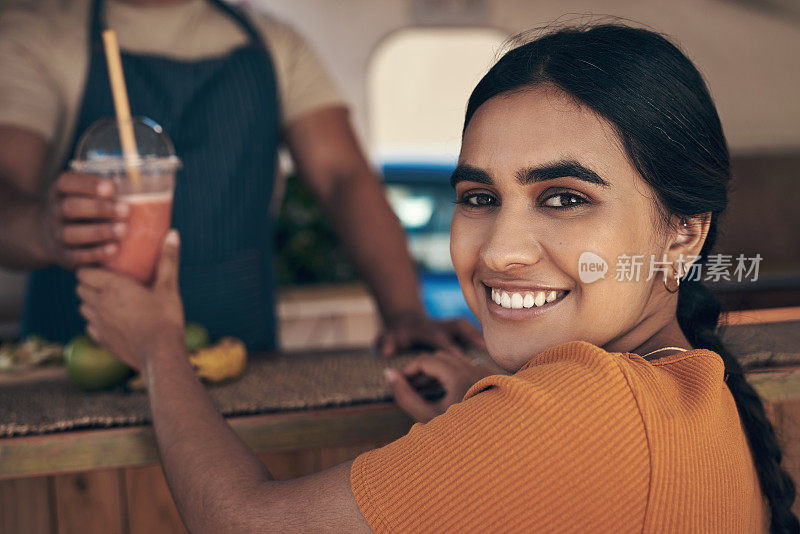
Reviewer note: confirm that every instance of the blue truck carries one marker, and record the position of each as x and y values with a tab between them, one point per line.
422	198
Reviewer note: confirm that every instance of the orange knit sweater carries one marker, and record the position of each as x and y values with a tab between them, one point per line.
578	440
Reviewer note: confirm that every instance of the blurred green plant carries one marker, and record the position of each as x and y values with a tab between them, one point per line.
306	249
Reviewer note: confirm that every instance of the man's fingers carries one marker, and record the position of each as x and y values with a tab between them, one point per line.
407	398
97	279
91	255
387	345
167	275
74	183
92	233
78	257
431	334
402	338
393	340
437	338
87	208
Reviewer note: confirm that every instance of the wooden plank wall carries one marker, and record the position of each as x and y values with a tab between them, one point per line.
26	505
137	500
128	501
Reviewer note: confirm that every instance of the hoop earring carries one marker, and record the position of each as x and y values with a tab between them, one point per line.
677	282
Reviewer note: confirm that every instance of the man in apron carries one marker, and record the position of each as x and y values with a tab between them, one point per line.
224	114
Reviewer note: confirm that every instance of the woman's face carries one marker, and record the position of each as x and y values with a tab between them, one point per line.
542	180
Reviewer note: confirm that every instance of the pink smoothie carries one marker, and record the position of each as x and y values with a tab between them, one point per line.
148	223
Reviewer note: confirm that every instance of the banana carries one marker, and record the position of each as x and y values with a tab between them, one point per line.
214	363
136	383
221	361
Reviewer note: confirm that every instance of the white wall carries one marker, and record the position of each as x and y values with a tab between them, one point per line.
418	86
750	58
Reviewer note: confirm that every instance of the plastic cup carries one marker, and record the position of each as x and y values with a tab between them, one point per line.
149	195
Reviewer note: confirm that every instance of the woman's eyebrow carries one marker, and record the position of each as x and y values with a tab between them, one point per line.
467	173
560	169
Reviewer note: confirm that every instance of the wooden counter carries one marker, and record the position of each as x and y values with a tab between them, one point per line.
60	473
84	450
109	481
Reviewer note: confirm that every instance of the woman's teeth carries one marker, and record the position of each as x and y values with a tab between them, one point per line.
517	301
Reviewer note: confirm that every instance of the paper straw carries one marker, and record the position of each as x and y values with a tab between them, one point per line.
122	107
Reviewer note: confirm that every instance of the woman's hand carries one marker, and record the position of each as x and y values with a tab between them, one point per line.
455	372
130	320
416	330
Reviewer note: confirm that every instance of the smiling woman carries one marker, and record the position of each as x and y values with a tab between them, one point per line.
542	127
593	144
599	142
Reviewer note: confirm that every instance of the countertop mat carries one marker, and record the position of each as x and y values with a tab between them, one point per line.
285	382
52	403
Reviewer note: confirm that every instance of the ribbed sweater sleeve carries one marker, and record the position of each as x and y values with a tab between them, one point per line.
557	447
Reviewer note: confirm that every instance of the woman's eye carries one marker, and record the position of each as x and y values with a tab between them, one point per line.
564	200
477	200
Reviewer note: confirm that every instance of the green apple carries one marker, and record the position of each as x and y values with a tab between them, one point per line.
92	367
196	337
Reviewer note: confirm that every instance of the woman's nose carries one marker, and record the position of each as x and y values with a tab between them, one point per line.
512	243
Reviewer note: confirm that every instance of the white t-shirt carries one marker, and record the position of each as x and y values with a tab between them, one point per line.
44	58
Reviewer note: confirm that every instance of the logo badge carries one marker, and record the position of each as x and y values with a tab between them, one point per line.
591	267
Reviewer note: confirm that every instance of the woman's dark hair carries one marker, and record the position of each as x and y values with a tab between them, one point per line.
662	111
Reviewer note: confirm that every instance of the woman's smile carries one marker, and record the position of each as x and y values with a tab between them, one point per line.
518	301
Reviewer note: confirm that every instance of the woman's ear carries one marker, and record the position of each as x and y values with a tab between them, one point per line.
689	234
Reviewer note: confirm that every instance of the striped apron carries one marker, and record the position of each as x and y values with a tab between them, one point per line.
223	117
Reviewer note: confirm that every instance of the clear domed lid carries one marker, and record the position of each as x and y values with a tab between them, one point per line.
99	149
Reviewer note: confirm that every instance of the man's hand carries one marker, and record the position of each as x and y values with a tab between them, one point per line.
456	374
82	223
130	320
417	331
72	223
